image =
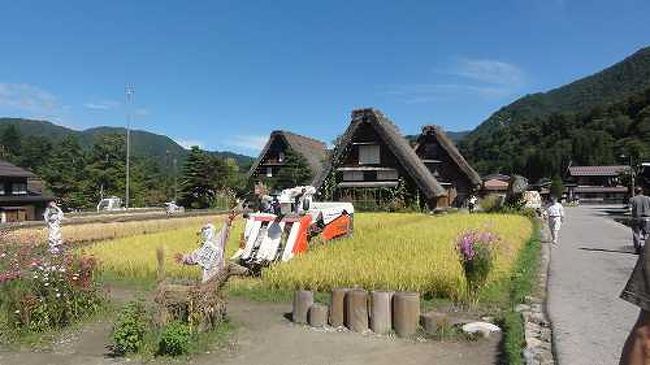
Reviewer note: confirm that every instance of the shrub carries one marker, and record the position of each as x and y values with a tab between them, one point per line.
476	253
491	203
40	292
175	339
130	328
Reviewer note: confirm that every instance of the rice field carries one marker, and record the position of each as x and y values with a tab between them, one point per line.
412	252
91	232
135	256
387	251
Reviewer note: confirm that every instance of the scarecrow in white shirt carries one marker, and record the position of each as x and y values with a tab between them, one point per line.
210	256
53	216
555	215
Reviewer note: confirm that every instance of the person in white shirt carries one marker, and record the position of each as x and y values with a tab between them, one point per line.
555	214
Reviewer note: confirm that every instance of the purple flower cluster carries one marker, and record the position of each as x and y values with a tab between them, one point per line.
469	243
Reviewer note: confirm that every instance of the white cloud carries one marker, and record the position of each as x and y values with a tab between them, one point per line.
189	143
102	105
27	98
489	79
253	143
490	72
142	112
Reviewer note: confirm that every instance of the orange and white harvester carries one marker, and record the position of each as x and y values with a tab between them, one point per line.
278	237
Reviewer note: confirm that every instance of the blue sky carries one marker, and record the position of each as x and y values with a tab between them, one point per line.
223	74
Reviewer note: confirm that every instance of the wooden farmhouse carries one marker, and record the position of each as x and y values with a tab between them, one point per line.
375	167
21	198
272	157
447	165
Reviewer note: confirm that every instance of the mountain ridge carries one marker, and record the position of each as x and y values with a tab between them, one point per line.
144	143
485	145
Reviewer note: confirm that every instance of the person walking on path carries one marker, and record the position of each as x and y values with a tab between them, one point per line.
640	206
636	350
555	215
53	216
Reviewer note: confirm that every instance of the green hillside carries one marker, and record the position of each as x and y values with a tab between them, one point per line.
145	144
537	135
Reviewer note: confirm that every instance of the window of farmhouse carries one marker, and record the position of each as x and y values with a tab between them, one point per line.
19	188
369	154
269	172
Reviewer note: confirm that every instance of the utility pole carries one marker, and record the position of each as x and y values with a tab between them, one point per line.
175	181
130	90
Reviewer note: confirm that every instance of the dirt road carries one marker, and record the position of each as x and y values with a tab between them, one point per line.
265	337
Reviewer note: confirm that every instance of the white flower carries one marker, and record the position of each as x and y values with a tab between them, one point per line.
47	284
3	255
58	295
17	311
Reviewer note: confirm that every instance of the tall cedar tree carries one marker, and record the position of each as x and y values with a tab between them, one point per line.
203	177
64	173
557	187
105	170
11	142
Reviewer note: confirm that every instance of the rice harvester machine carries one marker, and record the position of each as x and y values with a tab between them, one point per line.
296	219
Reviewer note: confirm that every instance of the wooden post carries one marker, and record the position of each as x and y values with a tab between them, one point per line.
432	322
302	301
337	312
380	312
406	313
318	315
356	310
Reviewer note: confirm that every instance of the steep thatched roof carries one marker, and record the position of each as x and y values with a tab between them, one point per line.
449	146
398	145
314	151
8	169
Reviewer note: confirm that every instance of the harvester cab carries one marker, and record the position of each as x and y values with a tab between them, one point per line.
279	236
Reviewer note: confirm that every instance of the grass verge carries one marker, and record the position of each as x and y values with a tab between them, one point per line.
521	284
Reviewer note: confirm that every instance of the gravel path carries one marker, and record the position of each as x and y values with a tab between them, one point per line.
587	273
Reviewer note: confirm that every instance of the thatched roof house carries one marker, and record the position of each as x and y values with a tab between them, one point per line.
446	164
21	197
272	157
374	165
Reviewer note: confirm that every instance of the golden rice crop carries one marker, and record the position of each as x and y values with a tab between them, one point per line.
387	251
91	232
413	252
135	256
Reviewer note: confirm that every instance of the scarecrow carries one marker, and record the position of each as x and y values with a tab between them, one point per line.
210	256
53	216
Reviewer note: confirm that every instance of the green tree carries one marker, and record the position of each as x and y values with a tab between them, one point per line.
202	178
294	172
10	139
35	153
64	174
557	187
106	167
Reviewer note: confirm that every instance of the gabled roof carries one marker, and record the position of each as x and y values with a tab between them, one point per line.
8	169
613	170
398	145
314	151
449	146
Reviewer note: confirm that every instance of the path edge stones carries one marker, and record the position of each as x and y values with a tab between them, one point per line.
538	329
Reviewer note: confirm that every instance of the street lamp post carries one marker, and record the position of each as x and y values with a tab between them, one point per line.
632	172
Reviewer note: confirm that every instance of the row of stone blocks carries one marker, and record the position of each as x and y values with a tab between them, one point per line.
357	310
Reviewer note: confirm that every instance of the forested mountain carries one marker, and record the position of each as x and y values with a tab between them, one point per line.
590	121
145	144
